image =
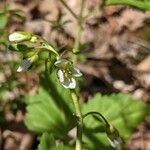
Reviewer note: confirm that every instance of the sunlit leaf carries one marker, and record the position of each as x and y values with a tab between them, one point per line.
47	142
50	111
120	110
141	4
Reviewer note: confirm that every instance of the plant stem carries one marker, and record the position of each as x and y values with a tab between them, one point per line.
79	19
79	28
77	39
69	9
101	117
79	120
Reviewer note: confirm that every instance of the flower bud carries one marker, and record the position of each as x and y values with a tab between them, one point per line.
113	136
26	63
33	39
20	36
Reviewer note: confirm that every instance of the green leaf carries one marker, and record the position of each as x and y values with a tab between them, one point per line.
140	4
3	20
120	110
49	110
63	147
47	142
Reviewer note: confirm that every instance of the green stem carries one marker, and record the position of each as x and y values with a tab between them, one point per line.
69	9
101	117
79	19
79	120
79	28
47	46
77	39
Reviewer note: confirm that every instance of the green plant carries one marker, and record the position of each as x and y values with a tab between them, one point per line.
140	4
50	112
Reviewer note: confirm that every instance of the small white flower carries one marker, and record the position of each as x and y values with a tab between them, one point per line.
67	82
113	136
115	142
19	36
67	73
25	64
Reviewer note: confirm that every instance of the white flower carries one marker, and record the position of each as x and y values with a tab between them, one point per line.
115	142
67	82
67	73
26	63
19	36
113	136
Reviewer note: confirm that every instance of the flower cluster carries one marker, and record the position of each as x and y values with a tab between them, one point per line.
66	72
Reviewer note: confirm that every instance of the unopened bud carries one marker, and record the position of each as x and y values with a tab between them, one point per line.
33	39
20	36
26	63
113	136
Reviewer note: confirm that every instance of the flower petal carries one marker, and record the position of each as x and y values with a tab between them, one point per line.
25	64
76	72
60	75
69	83
59	62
